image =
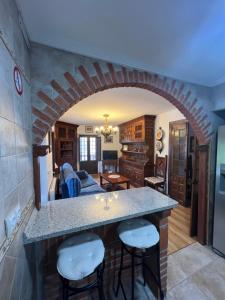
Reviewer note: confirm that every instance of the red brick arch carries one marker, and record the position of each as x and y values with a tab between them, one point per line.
93	77
114	76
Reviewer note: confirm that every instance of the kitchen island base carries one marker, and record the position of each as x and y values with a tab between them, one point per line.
101	214
51	284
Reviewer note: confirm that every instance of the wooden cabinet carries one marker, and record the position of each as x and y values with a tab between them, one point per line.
138	130
65	141
137	139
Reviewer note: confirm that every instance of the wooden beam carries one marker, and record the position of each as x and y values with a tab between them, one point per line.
202	192
37	152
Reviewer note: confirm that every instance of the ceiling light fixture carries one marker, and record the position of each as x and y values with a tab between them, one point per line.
106	130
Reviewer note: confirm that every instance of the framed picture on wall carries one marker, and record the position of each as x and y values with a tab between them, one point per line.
108	139
88	129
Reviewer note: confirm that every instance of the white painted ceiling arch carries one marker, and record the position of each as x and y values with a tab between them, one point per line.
122	104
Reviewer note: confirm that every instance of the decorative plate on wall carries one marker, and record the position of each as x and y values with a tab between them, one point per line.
18	81
159	146
159	134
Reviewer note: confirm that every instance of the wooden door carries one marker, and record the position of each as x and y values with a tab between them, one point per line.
178	143
194	191
89	153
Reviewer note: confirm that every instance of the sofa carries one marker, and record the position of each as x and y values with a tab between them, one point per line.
77	183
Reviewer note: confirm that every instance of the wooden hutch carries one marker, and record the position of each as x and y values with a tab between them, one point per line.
65	144
137	139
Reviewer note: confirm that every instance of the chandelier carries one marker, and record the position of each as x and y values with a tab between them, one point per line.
106	130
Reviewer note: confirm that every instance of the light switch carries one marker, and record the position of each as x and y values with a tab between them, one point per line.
11	220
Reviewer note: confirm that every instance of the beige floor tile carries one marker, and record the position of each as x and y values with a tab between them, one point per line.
211	280
187	290
175	273
218	266
193	258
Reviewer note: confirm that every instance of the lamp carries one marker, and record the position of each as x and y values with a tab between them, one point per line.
106	130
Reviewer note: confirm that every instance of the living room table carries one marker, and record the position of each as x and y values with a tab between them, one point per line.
100	213
114	179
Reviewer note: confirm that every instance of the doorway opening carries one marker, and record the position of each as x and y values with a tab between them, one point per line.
202	148
182	184
179	144
89	153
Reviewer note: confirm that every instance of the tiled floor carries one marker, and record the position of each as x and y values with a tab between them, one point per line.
194	273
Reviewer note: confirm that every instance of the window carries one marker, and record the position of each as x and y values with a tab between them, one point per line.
92	148
83	148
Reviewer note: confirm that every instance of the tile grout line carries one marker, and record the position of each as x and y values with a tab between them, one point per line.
190	275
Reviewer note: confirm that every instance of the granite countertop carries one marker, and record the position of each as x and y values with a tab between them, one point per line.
65	216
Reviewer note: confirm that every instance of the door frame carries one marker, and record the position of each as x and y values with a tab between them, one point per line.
203	192
98	155
182	121
203	165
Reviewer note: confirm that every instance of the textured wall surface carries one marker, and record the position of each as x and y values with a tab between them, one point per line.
60	79
16	176
162	120
218	97
104	146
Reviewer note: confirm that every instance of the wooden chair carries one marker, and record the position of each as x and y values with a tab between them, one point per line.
110	166
158	181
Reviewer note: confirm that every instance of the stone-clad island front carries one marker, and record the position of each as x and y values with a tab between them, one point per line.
100	213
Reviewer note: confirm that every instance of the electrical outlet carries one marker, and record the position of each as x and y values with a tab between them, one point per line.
11	220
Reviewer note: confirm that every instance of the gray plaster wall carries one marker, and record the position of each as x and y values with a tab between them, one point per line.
16	170
49	63
218	96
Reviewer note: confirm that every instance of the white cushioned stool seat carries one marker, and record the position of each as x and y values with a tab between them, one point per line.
138	233
79	256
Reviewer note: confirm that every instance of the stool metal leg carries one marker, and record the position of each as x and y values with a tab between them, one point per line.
143	268
132	277
68	290
100	282
65	290
120	271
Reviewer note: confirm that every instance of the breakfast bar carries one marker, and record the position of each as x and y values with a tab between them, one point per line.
99	213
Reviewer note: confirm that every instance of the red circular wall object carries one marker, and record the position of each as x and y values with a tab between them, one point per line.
18	81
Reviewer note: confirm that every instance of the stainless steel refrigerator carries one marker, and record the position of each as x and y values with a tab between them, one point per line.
219	209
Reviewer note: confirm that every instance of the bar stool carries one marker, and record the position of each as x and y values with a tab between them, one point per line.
78	258
138	234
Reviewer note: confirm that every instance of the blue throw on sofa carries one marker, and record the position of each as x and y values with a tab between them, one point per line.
74	184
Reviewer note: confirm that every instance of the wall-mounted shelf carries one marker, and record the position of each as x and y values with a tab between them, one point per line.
135	152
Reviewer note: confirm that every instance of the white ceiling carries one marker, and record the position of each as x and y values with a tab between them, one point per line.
122	104
184	39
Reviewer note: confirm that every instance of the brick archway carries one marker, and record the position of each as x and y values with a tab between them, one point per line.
93	77
176	92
